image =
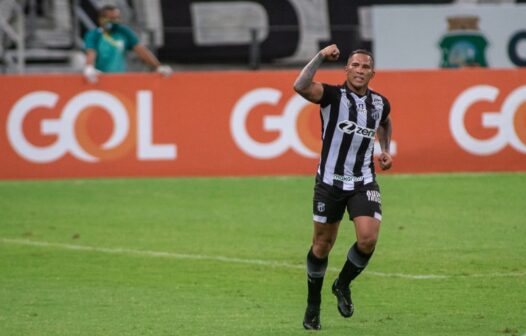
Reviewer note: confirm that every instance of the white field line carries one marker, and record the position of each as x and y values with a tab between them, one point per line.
269	263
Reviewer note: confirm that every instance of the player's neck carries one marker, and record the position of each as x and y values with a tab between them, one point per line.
359	91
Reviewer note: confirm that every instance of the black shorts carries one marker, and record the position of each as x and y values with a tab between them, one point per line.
329	203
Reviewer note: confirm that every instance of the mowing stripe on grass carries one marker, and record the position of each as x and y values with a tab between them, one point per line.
270	263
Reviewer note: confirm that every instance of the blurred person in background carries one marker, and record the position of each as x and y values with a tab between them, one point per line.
351	115
107	45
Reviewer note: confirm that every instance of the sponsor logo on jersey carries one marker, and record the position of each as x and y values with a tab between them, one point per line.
350	127
347	178
378	104
375	114
377	100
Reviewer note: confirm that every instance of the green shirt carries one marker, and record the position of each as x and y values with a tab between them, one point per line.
111	47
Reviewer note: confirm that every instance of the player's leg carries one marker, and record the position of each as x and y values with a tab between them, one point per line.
328	211
323	238
365	210
367	229
317	259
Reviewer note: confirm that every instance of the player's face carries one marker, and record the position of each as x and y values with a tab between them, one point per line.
110	16
359	71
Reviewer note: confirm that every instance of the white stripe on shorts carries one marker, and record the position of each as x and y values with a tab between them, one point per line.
319	219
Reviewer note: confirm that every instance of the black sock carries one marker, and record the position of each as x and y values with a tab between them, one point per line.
316	268
354	265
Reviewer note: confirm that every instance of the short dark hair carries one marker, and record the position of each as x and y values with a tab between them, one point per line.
362	51
106	8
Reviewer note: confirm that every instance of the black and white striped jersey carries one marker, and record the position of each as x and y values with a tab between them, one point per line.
349	124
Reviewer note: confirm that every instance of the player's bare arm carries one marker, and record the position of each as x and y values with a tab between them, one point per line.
384	137
305	84
146	56
91	55
149	58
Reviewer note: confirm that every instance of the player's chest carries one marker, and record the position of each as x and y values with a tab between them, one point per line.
112	42
362	108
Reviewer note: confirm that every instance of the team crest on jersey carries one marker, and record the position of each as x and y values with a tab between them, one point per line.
321	207
360	107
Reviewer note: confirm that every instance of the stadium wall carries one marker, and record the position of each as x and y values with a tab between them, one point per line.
449	36
249	123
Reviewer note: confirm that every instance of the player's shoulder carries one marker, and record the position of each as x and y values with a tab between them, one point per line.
125	29
128	35
380	100
93	33
333	89
377	94
331	93
91	37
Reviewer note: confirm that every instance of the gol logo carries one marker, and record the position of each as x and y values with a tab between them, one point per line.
510	122
71	132
290	124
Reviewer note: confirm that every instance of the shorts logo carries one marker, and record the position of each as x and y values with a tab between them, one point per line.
350	127
374	196
321	207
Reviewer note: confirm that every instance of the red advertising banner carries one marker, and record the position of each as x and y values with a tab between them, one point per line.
248	123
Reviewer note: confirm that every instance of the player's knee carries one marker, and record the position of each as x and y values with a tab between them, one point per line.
367	244
322	246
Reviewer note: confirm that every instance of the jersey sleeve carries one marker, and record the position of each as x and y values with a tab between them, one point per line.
90	39
387	109
330	92
131	38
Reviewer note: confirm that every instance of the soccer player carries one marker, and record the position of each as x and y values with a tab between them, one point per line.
351	116
106	47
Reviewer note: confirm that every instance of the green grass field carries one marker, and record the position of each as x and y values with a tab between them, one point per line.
225	256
